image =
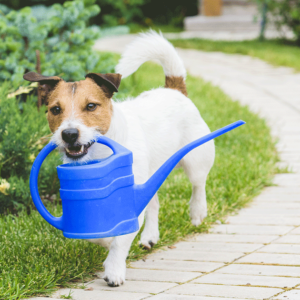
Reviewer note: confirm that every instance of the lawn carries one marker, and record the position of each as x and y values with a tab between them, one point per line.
136	28
276	52
35	258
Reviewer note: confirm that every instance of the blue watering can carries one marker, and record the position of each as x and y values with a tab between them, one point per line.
100	198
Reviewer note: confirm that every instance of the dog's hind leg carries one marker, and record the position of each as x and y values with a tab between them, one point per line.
150	234
198	206
197	165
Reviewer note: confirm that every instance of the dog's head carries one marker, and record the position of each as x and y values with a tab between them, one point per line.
77	111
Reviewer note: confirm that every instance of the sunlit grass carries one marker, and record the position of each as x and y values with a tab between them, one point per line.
136	28
276	52
35	258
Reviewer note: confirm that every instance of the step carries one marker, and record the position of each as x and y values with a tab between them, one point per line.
221	23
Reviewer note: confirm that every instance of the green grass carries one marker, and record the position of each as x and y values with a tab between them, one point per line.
136	28
35	258
276	52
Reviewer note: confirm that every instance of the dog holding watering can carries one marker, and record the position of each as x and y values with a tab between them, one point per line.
88	127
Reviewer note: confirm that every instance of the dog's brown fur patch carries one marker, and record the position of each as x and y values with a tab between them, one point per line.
73	99
176	83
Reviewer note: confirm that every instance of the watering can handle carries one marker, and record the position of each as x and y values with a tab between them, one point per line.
114	146
33	183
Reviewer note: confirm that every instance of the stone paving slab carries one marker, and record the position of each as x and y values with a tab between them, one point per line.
187	297
281	248
290	295
278	205
263	220
263	270
271	259
248	280
175	265
291	167
158	275
287	180
270	212
40	298
224	291
198	255
215	247
80	294
295	231
132	286
277	192
251	229
288	239
234	238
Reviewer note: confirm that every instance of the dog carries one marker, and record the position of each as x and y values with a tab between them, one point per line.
153	126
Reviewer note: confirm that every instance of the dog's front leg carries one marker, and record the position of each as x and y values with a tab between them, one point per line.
115	263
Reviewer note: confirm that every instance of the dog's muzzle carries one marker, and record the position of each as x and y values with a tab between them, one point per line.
77	151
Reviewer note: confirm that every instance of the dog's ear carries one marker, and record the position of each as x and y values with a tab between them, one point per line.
109	82
46	83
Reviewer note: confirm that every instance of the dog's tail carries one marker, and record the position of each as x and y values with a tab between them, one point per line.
149	46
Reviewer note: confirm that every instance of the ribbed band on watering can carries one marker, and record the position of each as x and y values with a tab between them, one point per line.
98	198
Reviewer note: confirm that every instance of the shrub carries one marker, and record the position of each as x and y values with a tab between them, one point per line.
21	128
118	12
61	34
285	13
146	12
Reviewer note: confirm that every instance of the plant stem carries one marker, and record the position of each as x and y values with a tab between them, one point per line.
263	21
38	69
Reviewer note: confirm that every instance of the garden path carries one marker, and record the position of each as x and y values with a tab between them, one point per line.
256	254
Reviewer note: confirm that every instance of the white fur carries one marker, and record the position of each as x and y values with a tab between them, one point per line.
151	46
153	126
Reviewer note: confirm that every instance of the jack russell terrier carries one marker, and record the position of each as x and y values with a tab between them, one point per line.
153	126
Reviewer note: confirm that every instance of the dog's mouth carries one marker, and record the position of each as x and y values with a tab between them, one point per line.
77	151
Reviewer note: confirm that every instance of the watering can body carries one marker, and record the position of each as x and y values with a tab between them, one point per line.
100	198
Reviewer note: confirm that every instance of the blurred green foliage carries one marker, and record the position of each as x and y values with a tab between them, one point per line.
61	34
119	12
284	13
21	127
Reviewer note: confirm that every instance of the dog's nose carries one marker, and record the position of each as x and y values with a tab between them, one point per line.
70	135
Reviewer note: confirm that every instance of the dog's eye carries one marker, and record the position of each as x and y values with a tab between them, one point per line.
55	110
91	106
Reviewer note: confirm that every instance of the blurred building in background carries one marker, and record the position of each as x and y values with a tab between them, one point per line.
227	16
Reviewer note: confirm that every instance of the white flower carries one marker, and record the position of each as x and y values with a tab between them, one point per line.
4	186
31	157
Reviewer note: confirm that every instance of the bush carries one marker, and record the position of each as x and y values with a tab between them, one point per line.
285	13
119	12
21	130
146	12
61	34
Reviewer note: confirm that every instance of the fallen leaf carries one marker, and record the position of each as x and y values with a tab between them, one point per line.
171	247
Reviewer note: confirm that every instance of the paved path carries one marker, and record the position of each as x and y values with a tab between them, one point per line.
256	255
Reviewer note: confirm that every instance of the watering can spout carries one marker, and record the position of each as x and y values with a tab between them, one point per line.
145	192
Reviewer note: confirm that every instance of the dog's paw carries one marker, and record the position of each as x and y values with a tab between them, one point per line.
149	239
114	273
146	244
113	283
197	219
